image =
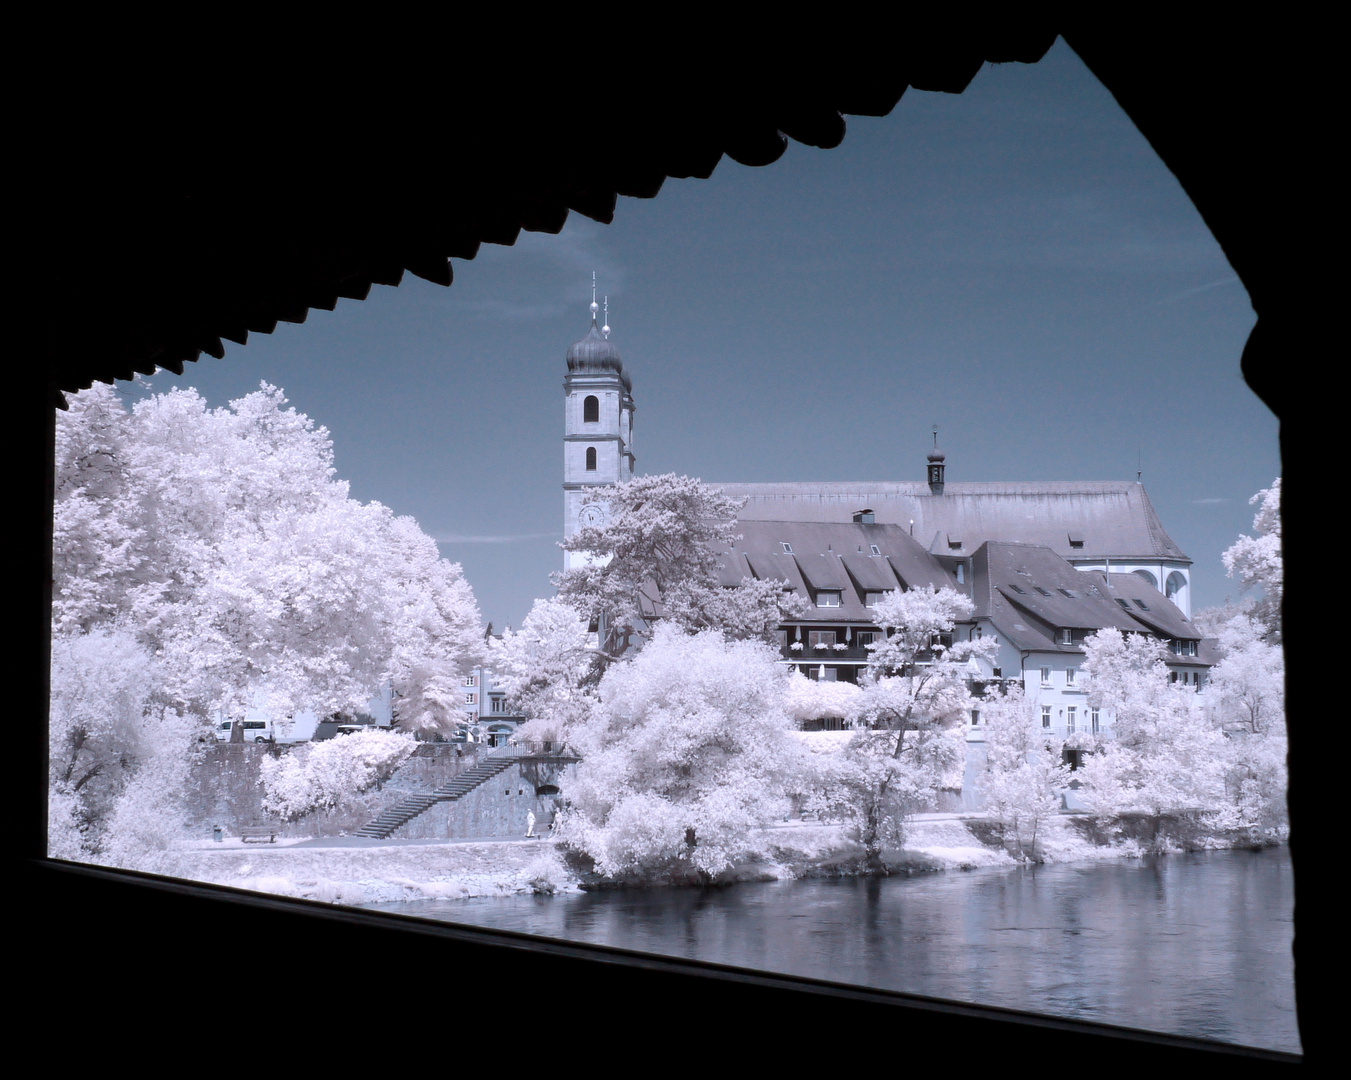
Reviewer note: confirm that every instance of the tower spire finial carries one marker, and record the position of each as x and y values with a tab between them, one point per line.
594	305
605	330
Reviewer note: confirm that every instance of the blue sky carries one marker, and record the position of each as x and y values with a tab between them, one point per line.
1013	263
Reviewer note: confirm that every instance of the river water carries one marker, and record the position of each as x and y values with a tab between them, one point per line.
1190	944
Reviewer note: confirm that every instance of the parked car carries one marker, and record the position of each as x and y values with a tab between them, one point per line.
254	730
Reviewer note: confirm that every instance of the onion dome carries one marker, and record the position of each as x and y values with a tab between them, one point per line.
595	353
936	454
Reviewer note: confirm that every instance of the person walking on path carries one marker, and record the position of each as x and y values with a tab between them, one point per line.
530	823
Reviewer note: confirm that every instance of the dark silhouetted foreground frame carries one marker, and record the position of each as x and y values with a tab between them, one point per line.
146	243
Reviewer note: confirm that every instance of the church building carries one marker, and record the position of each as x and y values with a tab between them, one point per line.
1046	563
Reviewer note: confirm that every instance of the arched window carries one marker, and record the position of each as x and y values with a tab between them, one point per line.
591	410
1148	577
1176	583
591	459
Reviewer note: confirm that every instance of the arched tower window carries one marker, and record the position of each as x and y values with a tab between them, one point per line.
591	458
591	411
1147	576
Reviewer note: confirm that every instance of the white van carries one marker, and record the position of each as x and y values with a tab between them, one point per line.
255	730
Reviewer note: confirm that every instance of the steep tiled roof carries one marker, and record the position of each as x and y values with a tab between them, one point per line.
1030	593
1110	519
833	557
1148	605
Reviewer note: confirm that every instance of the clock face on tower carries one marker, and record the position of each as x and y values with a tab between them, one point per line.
592	516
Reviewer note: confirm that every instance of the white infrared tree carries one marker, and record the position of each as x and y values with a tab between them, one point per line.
1166	757
1024	770
1257	561
219	544
323	776
907	743
1246	696
687	751
549	669
118	758
223	539
656	557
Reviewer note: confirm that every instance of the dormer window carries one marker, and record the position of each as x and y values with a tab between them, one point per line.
1076	539
1141	605
864	517
828	599
787	548
1066	636
870	599
1123	603
876	550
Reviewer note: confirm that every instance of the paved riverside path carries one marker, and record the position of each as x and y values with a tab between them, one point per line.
377	842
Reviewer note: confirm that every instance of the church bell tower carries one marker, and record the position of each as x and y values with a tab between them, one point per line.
597	428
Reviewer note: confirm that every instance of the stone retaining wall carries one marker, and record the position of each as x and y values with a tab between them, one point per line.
496	808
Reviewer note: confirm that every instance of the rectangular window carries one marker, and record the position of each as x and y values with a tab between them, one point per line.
998	673
471	699
827	599
864	638
1046	716
787	548
876	550
781	638
471	680
1045	676
820	638
1069	676
1123	603
1069	719
975	717
1066	636
870	599
1093	719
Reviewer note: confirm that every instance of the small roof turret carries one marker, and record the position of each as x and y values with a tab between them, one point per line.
936	467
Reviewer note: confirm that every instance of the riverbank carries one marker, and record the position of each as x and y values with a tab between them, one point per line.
354	870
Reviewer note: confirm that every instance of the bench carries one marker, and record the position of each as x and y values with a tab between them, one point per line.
258	834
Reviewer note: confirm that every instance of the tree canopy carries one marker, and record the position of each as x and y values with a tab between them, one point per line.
656	558
223	540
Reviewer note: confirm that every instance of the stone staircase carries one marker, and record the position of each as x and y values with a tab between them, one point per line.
405	810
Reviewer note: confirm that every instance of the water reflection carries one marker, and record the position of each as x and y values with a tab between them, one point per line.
1191	944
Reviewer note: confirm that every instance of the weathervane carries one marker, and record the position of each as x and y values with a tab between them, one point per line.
594	305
